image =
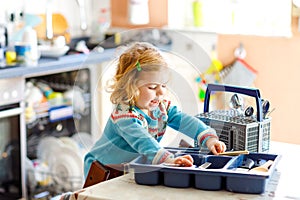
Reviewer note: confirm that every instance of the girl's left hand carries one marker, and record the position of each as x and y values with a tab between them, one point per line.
184	161
215	146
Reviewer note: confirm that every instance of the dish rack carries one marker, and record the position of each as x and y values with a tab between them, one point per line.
42	184
238	132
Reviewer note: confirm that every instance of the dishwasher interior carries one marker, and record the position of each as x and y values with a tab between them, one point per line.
58	131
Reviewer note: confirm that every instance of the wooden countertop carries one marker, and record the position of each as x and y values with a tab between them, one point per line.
280	186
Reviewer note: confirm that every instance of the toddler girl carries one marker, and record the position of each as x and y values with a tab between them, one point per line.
141	114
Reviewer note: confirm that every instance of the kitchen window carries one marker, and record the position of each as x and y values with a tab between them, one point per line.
247	17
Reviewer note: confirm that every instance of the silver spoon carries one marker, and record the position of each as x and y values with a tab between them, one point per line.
249	111
236	101
265	107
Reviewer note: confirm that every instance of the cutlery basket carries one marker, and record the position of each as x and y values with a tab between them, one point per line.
222	174
238	132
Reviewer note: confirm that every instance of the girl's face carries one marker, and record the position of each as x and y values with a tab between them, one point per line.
151	91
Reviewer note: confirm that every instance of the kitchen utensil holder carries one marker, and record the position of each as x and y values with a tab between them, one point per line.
238	132
221	174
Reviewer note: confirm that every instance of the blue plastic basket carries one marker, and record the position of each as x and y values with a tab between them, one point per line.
221	174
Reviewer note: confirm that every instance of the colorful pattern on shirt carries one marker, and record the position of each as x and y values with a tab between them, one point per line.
156	126
162	156
127	112
204	136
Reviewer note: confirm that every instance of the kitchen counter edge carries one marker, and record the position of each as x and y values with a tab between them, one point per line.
56	65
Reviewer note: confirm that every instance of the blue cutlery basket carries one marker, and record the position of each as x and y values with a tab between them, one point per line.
222	174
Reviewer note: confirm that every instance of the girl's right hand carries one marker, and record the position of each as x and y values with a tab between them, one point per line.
184	161
215	146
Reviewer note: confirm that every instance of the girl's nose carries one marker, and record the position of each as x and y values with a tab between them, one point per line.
160	90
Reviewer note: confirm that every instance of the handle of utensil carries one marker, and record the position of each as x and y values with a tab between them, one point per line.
234	153
267	164
253	92
264	166
205	165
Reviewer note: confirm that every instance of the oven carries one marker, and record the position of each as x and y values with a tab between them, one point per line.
12	139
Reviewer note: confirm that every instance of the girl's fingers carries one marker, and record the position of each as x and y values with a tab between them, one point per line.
183	161
186	162
189	157
218	147
221	147
213	150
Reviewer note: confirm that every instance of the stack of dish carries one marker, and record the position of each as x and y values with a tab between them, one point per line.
64	156
53	51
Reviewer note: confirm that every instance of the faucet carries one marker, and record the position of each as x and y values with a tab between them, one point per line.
83	24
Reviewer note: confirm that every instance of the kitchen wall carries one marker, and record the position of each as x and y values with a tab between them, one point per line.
275	58
278	64
277	61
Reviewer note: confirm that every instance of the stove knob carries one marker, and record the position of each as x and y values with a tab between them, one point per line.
6	95
14	94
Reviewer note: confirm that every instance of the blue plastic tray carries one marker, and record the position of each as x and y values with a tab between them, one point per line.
222	174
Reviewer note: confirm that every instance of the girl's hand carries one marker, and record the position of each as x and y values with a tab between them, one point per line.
215	146
184	161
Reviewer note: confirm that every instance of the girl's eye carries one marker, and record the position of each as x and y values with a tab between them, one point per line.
152	87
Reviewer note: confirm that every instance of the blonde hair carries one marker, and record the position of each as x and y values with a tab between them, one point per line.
123	86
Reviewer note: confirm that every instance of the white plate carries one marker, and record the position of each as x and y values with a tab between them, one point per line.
70	142
46	146
52	51
30	176
67	168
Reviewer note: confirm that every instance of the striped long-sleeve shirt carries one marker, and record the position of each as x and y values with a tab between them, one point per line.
130	132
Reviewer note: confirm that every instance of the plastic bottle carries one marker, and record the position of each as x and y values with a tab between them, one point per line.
47	90
197	13
15	26
3	35
101	25
1	56
30	38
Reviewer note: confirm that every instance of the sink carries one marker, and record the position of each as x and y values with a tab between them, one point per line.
108	43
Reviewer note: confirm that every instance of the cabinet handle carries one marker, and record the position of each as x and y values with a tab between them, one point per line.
10	112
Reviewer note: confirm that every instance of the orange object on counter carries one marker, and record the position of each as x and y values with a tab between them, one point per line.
60	27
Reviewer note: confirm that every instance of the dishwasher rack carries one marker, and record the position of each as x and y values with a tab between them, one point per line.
42	184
